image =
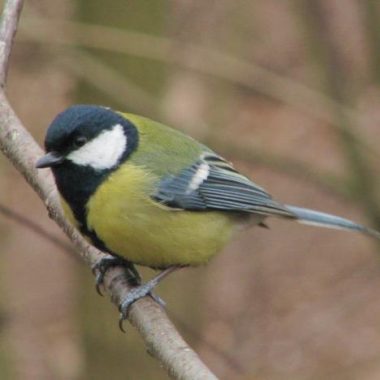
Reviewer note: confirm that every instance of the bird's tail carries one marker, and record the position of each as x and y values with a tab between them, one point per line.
321	219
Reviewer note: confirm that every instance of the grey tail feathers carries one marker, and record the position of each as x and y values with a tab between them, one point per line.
321	219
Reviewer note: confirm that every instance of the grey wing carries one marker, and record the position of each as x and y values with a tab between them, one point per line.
211	183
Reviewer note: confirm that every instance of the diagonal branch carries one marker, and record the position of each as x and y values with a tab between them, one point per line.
160	336
8	27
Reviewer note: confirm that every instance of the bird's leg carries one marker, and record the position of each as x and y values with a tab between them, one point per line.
109	261
141	291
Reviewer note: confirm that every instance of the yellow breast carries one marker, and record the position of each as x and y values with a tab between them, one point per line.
133	226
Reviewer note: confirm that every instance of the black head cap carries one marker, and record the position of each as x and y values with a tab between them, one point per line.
83	122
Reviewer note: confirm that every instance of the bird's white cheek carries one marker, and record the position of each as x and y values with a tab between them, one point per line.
103	152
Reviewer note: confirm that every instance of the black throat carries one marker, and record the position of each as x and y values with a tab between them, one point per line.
77	183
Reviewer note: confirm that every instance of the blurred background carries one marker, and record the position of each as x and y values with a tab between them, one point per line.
287	90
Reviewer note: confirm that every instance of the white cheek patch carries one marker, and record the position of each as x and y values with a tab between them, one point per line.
103	152
199	177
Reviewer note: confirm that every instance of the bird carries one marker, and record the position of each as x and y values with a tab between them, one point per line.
147	194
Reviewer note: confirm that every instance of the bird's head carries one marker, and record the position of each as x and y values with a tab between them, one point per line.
89	136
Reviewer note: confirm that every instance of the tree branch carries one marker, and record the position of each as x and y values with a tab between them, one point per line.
160	336
8	27
34	227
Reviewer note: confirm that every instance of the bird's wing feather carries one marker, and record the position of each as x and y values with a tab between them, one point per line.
211	183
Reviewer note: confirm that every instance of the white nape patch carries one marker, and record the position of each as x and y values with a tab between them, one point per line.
200	175
103	152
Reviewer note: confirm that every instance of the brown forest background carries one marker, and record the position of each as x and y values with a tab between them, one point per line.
289	91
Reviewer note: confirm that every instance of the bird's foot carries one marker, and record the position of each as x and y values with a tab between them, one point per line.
108	262
141	291
134	295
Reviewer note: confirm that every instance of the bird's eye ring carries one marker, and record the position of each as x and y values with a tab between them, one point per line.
80	141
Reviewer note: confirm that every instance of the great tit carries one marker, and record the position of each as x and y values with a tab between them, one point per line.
147	194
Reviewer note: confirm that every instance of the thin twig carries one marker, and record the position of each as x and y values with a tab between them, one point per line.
109	81
209	62
8	27
204	60
37	229
160	336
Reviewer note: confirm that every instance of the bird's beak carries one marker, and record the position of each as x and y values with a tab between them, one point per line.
50	159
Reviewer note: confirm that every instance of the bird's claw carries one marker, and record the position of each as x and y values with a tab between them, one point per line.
104	264
99	280
134	295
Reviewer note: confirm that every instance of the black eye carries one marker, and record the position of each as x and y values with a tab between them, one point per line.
80	141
